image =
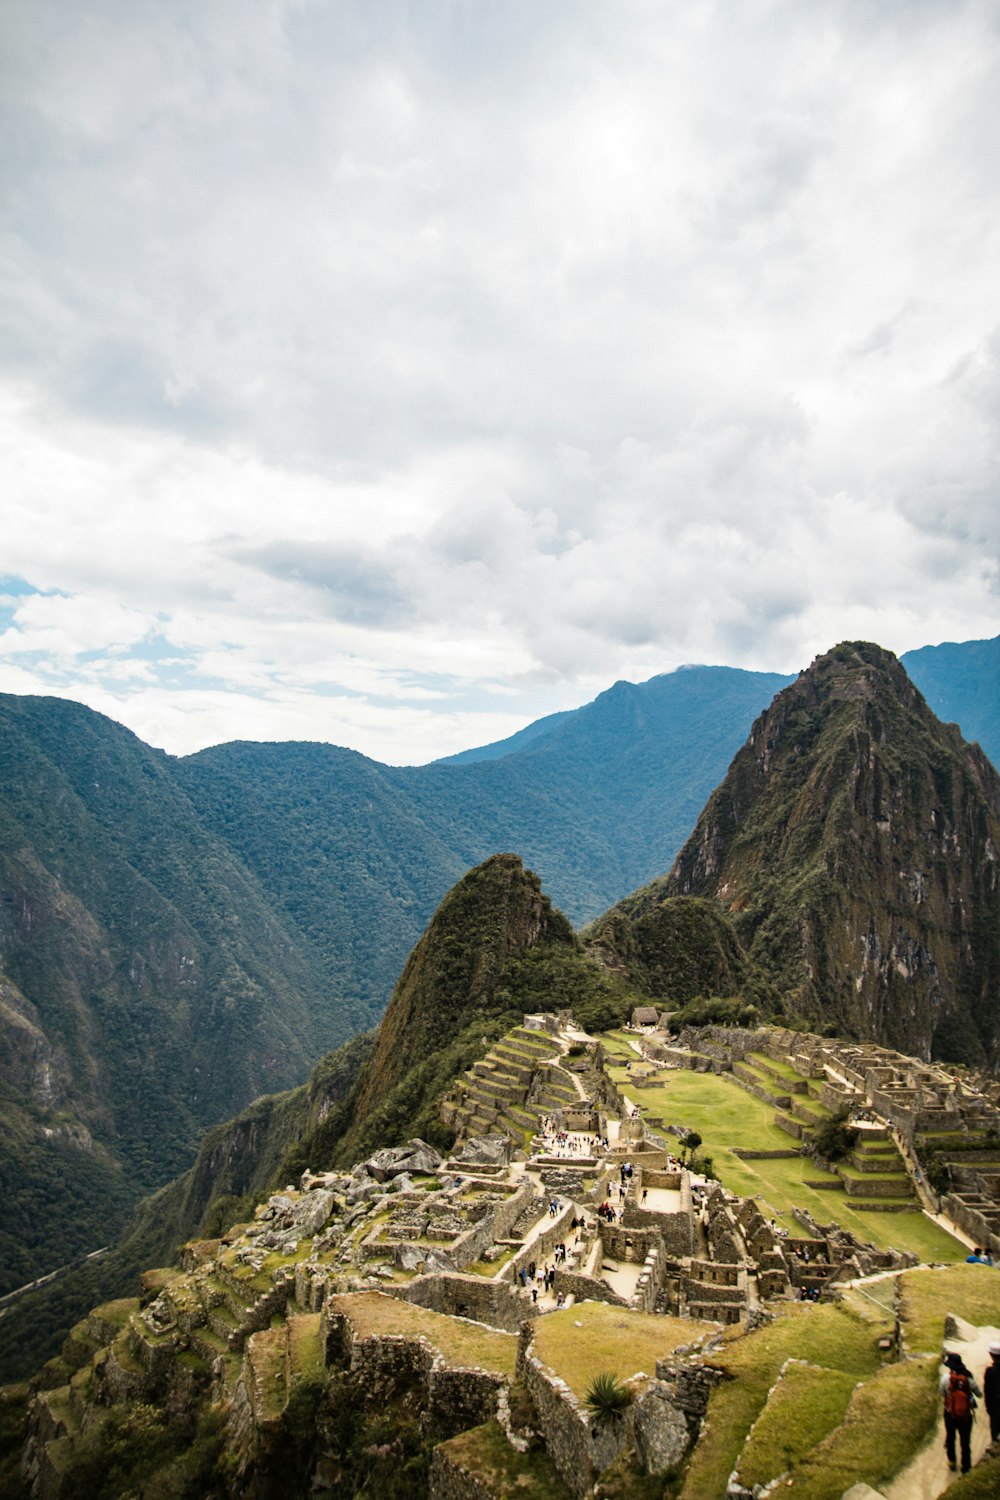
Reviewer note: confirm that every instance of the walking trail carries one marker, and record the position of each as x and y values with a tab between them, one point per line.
928	1475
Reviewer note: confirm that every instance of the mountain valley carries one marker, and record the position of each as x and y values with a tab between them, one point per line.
840	883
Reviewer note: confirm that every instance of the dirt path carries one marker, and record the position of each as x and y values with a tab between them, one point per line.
928	1475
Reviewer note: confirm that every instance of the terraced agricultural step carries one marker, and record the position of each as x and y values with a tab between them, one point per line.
536	1041
513	1052
208	1344
266	1366
867	1185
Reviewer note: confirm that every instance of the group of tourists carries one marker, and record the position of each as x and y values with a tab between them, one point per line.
535	1278
961	1391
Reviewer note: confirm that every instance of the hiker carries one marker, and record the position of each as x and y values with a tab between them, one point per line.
959	1389
991	1391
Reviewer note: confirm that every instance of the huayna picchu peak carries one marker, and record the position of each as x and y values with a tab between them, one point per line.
853	845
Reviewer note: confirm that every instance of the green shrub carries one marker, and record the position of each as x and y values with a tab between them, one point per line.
607	1398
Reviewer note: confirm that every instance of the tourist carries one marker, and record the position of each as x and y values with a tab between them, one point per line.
991	1391
959	1390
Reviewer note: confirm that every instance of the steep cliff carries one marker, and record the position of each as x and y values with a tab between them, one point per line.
854	843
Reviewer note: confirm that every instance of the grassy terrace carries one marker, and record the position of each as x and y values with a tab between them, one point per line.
973	1292
485	1453
830	1337
609	1338
727	1117
461	1343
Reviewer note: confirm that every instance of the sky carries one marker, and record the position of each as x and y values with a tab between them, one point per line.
394	372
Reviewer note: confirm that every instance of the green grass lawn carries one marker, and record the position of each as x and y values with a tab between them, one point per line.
803	1408
886	1423
461	1343
762	1061
580	1342
726	1116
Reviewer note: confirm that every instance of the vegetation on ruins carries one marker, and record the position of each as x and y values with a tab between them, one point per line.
834	1138
607	1399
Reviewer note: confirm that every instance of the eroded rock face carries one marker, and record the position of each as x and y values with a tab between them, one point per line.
659	1428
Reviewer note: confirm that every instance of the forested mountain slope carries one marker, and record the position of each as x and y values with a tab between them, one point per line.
855	845
146	987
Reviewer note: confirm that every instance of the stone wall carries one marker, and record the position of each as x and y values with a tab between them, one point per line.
554	1233
629	1244
579	1449
972	1221
585	1288
452	1399
493	1226
650	1282
497	1303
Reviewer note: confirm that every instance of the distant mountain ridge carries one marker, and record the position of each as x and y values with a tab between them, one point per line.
961	682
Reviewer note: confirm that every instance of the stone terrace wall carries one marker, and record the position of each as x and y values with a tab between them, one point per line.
452	1398
496	1303
449	1481
579	1449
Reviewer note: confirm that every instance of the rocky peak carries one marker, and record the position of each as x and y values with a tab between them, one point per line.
853	842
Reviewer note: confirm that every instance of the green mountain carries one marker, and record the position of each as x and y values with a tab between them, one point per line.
854	846
961	683
147	988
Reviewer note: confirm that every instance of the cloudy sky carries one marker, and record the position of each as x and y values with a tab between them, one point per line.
393	372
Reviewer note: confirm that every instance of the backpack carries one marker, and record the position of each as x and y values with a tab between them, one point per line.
958	1397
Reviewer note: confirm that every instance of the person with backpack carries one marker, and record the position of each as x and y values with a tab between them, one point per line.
959	1389
991	1390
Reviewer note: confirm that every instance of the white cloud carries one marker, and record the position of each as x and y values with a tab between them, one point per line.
378	365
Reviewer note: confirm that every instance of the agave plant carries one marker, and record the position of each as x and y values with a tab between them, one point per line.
606	1397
